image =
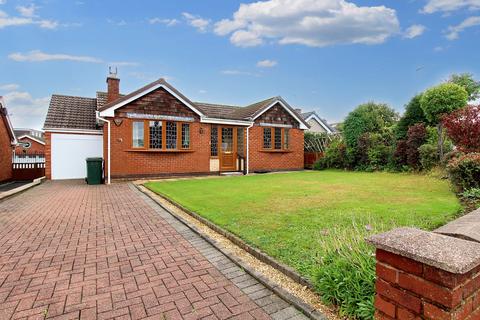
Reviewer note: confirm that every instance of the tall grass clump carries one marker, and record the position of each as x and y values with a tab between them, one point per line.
346	274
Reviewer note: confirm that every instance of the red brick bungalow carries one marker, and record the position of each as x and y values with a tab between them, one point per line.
7	143
157	131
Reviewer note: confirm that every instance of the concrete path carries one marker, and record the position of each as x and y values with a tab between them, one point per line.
72	251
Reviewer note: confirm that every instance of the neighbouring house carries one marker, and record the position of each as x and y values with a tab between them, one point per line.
317	124
30	142
7	143
157	131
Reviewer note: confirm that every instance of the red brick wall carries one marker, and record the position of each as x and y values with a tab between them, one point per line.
126	162
271	161
35	147
5	153
407	289
48	155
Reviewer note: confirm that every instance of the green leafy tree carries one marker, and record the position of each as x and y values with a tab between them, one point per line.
439	101
467	81
413	114
366	118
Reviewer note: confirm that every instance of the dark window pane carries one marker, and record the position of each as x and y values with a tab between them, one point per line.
185	136
267	138
278	138
240	145
214	141
171	135
155	135
286	139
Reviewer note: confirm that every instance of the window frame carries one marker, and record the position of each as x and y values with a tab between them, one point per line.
146	136
283	131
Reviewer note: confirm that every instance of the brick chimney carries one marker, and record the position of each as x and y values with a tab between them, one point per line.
113	86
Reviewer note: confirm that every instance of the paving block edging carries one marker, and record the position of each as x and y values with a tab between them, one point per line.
284	294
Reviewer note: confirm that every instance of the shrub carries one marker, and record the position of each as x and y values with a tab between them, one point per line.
380	153
417	135
367	118
400	155
334	156
413	115
472	194
428	156
465	171
463	127
346	276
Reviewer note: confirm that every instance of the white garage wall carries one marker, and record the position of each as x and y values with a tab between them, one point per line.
69	151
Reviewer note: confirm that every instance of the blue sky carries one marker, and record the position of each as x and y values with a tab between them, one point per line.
323	55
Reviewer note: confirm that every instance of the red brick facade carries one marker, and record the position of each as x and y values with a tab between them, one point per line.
48	155
127	161
34	148
5	152
407	289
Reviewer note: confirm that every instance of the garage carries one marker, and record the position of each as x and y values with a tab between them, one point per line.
69	151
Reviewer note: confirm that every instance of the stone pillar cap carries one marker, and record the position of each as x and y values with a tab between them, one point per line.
466	227
443	252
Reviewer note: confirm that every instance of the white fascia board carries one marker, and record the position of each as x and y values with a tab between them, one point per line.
226	121
320	121
110	112
302	125
31	138
66	130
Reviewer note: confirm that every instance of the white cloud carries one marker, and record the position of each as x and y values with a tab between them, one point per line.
3	1
9	21
414	31
196	21
453	32
9	87
267	63
433	6
27	11
202	91
26	111
309	22
233	72
167	22
39	56
119	23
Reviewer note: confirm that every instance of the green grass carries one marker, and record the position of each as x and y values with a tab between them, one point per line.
298	218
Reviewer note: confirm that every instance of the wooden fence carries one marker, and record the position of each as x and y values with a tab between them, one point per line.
28	166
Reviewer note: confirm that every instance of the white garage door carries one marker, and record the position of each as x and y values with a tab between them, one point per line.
69	152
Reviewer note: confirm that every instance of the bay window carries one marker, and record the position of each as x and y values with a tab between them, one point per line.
276	139
161	135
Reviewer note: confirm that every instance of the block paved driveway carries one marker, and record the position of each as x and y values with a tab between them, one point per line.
72	251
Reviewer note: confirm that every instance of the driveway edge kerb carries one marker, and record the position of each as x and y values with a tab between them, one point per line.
13	192
284	294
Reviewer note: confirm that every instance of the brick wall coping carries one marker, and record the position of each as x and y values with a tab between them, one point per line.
466	227
443	252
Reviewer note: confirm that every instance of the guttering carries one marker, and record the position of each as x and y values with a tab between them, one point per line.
247	160
108	144
226	121
68	130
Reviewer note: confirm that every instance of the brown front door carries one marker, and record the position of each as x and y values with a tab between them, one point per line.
228	150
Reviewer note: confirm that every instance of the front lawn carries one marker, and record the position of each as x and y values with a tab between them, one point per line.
302	219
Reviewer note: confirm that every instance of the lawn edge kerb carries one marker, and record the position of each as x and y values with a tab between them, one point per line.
289	272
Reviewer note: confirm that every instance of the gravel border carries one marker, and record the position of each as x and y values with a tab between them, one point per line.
301	286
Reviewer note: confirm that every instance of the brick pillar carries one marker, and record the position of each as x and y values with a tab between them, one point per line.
424	275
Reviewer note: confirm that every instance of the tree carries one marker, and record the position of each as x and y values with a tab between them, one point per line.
442	100
463	127
366	118
466	81
413	115
417	135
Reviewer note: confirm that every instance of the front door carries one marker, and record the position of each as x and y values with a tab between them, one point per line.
228	153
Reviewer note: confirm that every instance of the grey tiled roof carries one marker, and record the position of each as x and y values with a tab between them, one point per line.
79	113
28	132
71	112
